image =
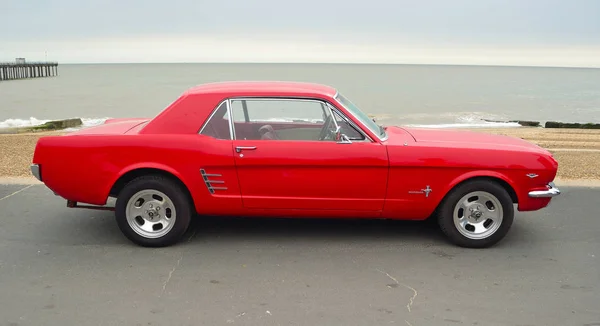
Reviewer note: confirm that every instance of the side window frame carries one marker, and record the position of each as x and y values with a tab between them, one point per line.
243	99
325	104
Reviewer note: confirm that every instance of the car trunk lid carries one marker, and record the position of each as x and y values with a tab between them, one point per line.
112	126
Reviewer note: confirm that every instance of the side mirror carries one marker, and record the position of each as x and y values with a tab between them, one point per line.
345	140
341	138
338	133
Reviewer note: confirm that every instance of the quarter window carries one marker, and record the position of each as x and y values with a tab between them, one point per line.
347	129
218	124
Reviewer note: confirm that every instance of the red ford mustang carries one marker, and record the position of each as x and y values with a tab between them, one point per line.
294	150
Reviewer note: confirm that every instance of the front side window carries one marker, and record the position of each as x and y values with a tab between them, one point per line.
281	119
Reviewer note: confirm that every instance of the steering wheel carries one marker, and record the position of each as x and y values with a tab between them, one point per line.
325	130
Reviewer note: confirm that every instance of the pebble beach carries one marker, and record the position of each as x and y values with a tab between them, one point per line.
577	150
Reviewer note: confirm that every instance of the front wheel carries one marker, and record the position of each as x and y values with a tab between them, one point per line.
476	214
153	211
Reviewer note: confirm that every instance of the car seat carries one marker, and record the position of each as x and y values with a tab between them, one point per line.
268	133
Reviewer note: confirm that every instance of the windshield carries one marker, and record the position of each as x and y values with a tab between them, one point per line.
361	116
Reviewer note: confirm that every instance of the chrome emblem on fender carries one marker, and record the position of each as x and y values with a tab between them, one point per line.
532	175
425	191
209	183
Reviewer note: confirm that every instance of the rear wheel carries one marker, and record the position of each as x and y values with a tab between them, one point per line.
476	214
153	211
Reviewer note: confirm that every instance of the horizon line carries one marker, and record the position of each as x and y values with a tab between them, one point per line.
331	63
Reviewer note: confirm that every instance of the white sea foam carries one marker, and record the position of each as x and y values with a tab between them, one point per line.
472	120
32	121
468	125
12	123
449	120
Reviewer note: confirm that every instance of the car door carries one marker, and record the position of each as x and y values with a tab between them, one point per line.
282	161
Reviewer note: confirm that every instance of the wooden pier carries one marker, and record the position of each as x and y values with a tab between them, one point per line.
21	69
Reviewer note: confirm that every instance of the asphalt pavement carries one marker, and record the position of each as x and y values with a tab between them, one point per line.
64	266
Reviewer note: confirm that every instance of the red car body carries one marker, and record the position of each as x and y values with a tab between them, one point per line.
394	172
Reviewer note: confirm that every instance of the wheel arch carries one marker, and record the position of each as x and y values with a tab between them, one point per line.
137	171
492	176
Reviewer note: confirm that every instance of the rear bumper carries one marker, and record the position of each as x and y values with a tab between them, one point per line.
35	170
552	191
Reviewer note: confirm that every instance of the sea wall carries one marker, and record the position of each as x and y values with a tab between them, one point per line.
48	126
554	124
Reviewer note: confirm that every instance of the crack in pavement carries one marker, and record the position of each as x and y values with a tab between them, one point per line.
166	282
171	274
415	293
16	192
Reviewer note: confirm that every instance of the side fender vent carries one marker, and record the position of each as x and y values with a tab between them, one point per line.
210	183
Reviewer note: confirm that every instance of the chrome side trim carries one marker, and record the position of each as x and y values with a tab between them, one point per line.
275	98
209	183
551	192
331	114
35	170
231	124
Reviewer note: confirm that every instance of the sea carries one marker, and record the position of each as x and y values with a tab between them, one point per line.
431	96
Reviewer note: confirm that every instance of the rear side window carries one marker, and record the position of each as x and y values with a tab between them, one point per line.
217	125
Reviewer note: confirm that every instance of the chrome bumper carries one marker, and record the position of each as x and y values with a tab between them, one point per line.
35	170
551	192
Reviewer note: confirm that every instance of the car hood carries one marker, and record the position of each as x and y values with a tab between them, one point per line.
471	139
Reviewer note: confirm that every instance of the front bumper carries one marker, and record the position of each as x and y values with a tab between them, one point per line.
550	192
35	170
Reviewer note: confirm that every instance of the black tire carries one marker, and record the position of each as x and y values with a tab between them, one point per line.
178	196
445	214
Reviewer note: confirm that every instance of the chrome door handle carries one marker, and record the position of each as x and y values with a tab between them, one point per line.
248	148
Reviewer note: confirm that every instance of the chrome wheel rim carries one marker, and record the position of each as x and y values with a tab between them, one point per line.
478	215
150	213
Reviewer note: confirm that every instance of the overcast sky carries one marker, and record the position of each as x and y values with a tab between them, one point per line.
505	32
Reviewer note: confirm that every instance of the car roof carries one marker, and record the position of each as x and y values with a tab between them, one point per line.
274	87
